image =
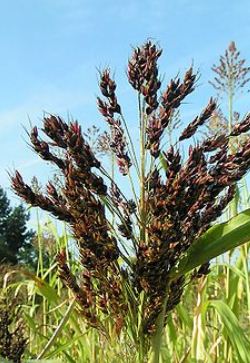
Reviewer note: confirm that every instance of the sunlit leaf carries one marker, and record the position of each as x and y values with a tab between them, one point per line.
217	240
233	330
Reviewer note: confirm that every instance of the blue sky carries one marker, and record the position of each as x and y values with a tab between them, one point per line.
50	50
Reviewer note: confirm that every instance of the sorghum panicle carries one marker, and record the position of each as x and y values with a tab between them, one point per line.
108	108
12	334
182	200
78	204
170	101
231	73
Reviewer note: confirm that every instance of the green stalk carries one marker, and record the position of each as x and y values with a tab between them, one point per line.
140	328
232	211
57	331
198	334
245	193
40	247
215	316
40	270
113	178
132	188
157	337
233	206
142	174
132	151
142	213
244	252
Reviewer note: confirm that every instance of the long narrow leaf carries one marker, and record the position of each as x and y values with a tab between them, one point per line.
234	332
217	240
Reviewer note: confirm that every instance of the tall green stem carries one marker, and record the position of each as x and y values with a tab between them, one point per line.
157	337
142	173
58	330
113	178
198	334
233	204
142	212
40	246
131	144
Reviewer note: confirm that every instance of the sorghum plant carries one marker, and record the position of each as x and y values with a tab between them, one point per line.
130	276
12	340
98	141
232	76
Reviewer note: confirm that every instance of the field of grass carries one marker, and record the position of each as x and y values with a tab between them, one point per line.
161	277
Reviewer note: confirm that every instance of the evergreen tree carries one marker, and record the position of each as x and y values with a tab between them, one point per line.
15	238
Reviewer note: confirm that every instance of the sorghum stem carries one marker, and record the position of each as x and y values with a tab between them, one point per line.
132	151
58	330
142	173
233	205
142	213
113	178
157	337
232	211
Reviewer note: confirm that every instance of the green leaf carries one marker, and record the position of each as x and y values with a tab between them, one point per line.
233	268
65	346
219	239
184	315
43	287
234	332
